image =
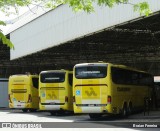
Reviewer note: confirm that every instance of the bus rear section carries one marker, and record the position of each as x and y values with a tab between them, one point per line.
23	92
55	91
90	85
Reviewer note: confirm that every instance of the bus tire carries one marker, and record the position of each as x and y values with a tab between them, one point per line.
129	111
61	112
94	116
32	110
25	110
124	111
53	113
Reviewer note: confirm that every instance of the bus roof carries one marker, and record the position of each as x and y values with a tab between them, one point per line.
62	70
114	65
17	75
83	64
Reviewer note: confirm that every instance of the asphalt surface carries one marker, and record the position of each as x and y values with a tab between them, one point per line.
69	120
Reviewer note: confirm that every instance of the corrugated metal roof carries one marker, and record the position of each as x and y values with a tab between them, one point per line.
62	24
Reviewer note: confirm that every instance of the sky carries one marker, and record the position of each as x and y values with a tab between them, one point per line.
10	18
36	9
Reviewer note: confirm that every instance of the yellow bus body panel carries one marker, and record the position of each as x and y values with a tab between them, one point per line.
20	87
52	95
91	94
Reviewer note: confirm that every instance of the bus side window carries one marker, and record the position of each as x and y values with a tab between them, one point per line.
115	75
35	82
70	76
135	78
119	76
146	79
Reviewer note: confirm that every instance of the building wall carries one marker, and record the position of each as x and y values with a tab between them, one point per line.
4	93
62	24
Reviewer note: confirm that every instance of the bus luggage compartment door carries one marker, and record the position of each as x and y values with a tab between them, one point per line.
91	99
52	97
19	98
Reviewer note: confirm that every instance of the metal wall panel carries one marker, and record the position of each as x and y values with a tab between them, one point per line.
62	24
4	93
27	17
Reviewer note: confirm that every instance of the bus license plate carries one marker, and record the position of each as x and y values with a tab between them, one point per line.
91	104
52	103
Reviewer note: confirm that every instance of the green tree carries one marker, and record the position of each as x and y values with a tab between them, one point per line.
7	7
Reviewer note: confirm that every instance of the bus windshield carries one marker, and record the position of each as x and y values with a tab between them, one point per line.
91	71
52	77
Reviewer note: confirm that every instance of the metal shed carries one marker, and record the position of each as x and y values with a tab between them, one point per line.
3	92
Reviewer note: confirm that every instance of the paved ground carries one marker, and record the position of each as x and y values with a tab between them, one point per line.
70	120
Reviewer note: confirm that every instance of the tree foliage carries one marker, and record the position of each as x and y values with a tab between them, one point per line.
6	41
12	7
87	5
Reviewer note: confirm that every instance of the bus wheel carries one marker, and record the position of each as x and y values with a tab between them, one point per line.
24	110
53	113
95	116
129	109
124	111
32	110
61	112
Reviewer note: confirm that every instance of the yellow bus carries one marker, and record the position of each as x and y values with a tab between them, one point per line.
55	91
105	88
23	92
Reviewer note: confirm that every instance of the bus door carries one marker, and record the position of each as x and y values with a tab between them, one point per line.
52	93
91	89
